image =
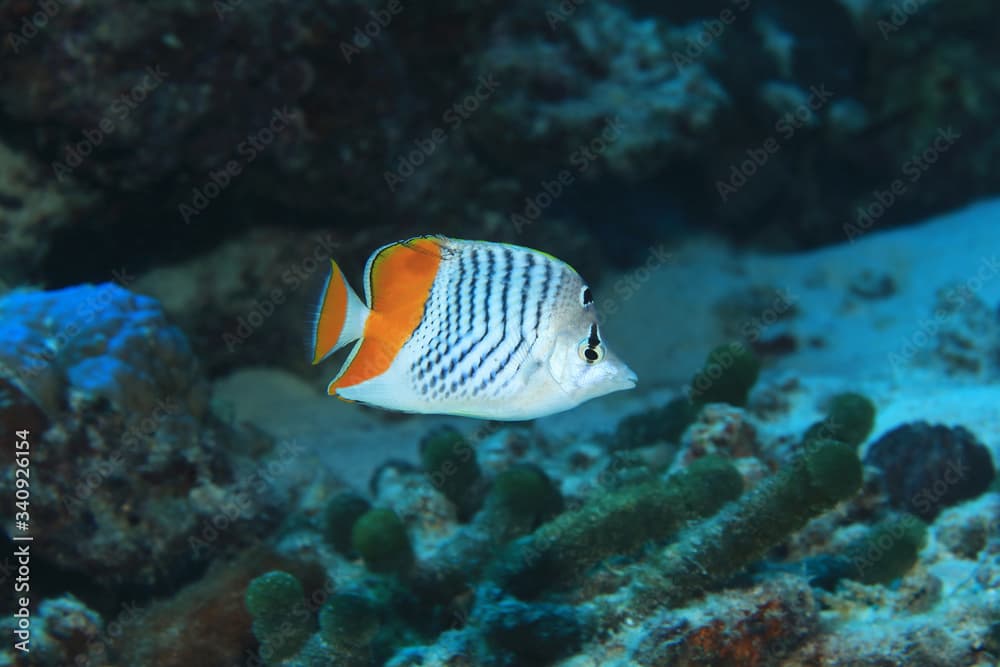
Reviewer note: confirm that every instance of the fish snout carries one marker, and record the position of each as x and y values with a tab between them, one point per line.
623	377
629	377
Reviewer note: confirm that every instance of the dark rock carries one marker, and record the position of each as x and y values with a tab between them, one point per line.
927	467
532	634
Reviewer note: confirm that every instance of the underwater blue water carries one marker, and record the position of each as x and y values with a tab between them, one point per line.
666	333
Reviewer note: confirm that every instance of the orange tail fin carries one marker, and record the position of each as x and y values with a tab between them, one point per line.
340	316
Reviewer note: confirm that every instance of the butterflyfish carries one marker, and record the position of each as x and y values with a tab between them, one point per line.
472	328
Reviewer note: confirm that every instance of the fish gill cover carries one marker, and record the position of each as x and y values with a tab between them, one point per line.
781	217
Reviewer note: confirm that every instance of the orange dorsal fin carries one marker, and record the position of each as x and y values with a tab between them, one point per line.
398	281
340	316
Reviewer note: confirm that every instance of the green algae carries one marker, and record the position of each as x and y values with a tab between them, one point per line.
450	463
527	494
341	513
887	551
349	621
826	473
380	537
663	424
729	373
617	522
849	419
281	622
884	553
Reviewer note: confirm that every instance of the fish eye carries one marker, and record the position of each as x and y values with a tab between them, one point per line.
590	353
586	296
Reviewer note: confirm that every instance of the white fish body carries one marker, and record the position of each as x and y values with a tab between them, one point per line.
473	328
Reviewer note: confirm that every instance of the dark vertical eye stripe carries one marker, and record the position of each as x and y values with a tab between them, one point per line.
594	339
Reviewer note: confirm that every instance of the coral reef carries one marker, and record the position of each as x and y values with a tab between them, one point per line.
527	634
274	600
927	467
523	610
662	570
728	375
966	530
526	495
597	59
888	550
825	474
451	464
231	112
720	429
143	484
754	627
348	623
175	177
380	537
342	511
965	332
226	115
61	629
243	301
210	614
33	206
884	553
618	523
663	424
849	418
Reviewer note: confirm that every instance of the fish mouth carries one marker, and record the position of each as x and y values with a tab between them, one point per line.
627	379
631	379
